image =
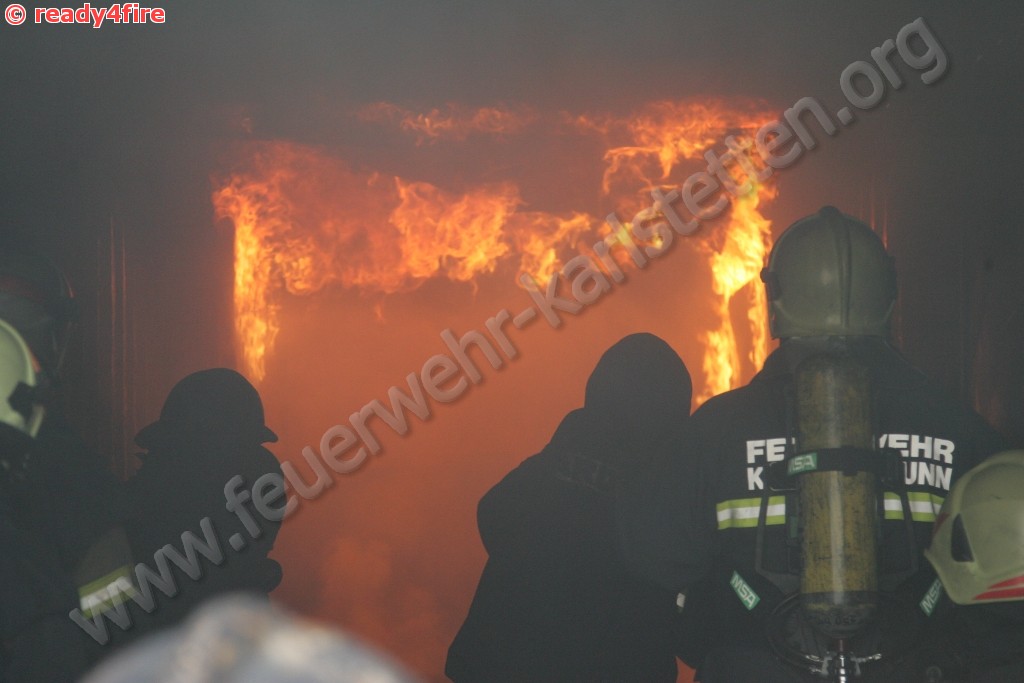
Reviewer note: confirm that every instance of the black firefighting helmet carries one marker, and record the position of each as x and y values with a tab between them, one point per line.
829	275
210	405
37	299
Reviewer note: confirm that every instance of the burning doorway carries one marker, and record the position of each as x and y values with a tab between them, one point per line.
350	275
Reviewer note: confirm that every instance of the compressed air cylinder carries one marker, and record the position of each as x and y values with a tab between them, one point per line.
838	510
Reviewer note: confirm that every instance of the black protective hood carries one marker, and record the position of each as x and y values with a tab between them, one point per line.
641	384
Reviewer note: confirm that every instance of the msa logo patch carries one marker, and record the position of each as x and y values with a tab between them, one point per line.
808	462
931	598
743	590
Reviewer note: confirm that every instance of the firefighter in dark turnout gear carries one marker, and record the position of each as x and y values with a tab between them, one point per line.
38	643
70	499
206	444
712	521
554	603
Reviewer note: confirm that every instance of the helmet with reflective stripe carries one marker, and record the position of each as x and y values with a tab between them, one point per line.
829	275
977	545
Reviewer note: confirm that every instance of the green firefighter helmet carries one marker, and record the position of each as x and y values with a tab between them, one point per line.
977	545
829	275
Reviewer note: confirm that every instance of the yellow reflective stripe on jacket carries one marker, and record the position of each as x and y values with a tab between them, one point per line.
743	512
924	507
102	594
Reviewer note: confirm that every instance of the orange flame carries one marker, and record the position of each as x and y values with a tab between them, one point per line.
255	312
734	266
304	220
652	143
459	236
656	141
540	237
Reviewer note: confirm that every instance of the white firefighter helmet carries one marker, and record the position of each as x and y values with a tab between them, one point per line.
977	546
21	414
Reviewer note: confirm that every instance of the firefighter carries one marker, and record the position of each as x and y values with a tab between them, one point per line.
977	549
720	521
76	504
554	603
204	457
39	643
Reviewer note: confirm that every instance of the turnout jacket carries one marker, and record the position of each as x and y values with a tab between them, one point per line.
555	602
691	523
178	486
